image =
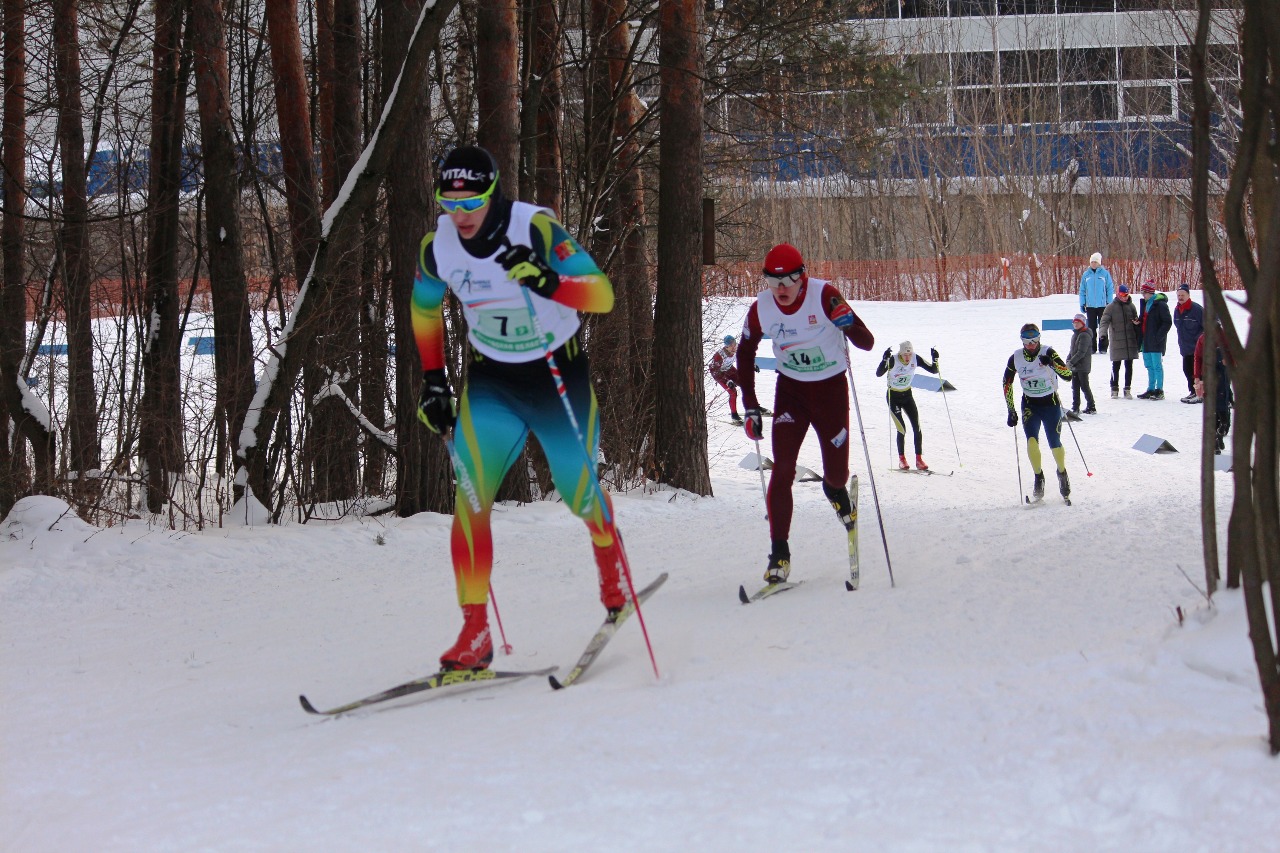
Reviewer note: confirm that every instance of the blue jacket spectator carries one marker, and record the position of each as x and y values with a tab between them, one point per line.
1096	292
1096	287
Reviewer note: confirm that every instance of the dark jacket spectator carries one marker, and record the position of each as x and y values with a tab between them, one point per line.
1118	327
1188	319
1156	322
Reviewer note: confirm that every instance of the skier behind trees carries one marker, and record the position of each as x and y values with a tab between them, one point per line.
809	321
900	370
723	368
1038	370
1223	397
1080	360
1121	338
497	256
1155	323
1188	320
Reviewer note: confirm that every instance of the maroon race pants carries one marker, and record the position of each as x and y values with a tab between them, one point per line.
824	405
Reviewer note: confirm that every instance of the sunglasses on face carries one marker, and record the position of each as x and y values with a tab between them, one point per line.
470	204
776	281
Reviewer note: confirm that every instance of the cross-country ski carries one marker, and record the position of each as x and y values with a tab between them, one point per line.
436	681
604	634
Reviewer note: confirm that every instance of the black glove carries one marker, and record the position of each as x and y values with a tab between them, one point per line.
888	354
933	353
1103	342
1045	359
757	367
437	408
754	423
529	268
1013	418
731	384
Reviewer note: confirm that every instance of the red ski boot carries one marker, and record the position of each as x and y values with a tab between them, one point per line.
920	466
902	463
474	649
608	562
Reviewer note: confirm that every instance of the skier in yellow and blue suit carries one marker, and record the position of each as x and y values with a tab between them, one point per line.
521	280
1038	371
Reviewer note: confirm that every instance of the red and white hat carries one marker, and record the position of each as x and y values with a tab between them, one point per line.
783	259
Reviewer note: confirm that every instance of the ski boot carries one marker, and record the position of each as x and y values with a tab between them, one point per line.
1091	411
841	503
920	466
1064	484
902	463
474	649
779	563
1037	487
735	419
608	561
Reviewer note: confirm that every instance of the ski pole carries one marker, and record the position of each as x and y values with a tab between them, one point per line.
591	465
506	647
866	451
763	489
943	391
1081	452
1017	456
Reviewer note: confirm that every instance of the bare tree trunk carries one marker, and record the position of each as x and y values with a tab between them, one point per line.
423	479
294	120
331	444
160	426
291	351
13	297
233	341
540	138
82	410
622	338
497	81
1253	226
680	443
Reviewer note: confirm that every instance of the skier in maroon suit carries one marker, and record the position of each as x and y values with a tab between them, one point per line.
809	322
723	368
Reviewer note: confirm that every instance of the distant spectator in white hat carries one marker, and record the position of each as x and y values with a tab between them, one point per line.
1096	292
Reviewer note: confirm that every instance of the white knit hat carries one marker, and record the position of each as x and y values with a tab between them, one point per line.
1095	258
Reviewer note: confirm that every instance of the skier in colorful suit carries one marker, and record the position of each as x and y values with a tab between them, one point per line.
723	368
498	257
809	322
900	371
1038	369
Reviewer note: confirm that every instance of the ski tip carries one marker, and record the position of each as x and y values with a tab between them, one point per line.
555	685
307	706
742	595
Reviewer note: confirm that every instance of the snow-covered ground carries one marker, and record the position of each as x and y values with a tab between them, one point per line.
1026	685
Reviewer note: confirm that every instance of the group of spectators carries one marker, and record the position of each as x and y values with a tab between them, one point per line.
1111	321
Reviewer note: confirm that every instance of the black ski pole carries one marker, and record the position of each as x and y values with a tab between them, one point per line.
1078	450
1017	455
943	391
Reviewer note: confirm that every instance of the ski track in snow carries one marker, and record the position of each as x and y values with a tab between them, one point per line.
1026	685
